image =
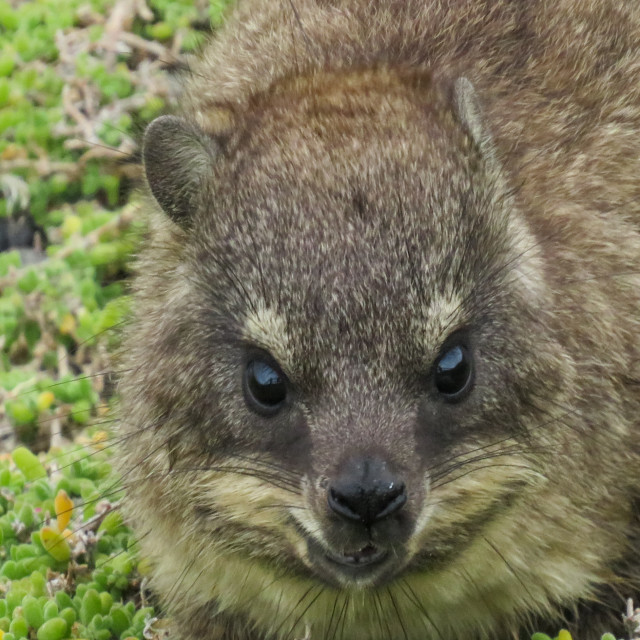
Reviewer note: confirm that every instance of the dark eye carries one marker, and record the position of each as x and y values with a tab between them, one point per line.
453	372
265	387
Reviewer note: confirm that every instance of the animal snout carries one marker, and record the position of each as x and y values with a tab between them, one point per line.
366	491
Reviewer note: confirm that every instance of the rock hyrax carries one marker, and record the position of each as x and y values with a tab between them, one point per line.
385	363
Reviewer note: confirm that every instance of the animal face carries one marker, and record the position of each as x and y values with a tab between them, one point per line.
354	373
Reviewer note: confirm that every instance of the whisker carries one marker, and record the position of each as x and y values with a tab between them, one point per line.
181	578
404	584
106	372
301	599
305	37
379	612
398	615
332	616
488	466
297	621
343	614
511	569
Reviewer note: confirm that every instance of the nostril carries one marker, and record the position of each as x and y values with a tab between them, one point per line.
365	496
396	496
340	504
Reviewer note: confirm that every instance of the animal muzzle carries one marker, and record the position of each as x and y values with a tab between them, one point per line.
366	491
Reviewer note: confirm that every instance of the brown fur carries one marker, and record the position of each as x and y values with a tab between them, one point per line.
351	184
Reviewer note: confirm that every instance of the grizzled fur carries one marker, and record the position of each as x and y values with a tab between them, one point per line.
352	186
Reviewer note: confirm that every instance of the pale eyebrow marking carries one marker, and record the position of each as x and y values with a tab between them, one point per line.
267	329
436	321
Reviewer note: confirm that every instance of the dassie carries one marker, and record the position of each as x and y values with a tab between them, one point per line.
383	376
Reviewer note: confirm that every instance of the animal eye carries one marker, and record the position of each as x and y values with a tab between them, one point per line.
453	372
265	387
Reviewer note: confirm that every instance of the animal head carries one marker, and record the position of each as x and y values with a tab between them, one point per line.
345	343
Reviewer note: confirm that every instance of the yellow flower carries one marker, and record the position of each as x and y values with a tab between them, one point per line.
68	324
45	400
55	543
64	507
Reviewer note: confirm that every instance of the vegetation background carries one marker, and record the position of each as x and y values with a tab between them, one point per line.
79	79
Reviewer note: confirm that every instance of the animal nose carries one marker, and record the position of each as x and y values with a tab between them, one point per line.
366	491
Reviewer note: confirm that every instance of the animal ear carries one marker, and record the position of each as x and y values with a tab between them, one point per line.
177	157
469	113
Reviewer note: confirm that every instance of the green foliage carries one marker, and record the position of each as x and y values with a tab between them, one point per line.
565	635
54	316
73	101
89	589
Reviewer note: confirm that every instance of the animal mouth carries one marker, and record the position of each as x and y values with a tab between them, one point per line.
365	566
364	557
